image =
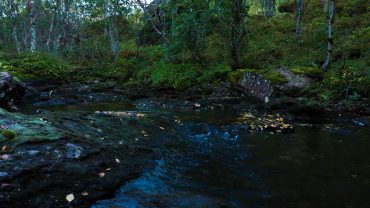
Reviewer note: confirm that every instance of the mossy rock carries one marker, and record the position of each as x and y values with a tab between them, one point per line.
276	78
311	72
235	76
22	128
8	134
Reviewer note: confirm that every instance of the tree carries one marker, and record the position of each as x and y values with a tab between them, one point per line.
325	5
299	6
238	31
269	7
32	11
326	64
110	16
14	16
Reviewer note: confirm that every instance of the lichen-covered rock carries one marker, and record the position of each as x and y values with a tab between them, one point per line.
257	86
28	128
11	91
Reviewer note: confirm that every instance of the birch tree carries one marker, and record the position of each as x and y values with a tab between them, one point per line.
14	15
326	64
31	7
325	5
110	15
300	8
269	7
158	24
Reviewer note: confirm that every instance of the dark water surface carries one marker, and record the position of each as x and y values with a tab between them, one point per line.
215	163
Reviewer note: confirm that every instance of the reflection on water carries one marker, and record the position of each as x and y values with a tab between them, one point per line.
212	163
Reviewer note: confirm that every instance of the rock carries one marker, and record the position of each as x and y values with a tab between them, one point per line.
359	123
11	91
297	83
256	86
3	174
33	152
73	151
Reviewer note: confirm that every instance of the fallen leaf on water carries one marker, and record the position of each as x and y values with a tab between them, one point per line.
85	193
101	175
70	197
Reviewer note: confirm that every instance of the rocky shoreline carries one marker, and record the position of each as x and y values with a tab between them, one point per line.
46	156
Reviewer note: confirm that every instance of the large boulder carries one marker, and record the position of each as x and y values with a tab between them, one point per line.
256	86
11	91
297	83
267	85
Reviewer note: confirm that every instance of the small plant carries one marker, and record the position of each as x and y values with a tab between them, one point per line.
326	97
9	134
355	96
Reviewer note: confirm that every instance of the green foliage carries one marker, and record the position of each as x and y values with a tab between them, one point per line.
326	97
348	81
37	65
214	73
8	134
179	76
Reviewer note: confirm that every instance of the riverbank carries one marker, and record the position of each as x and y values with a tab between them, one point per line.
88	141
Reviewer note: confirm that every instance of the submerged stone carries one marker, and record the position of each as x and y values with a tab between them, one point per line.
4	174
73	151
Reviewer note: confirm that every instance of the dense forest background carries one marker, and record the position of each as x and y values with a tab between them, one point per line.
189	43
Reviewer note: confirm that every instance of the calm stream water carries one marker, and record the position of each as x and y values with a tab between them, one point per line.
214	163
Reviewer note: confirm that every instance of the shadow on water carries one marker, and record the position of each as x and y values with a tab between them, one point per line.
211	162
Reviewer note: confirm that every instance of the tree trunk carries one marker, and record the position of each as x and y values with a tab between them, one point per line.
269	7
237	32
32	24
325	5
111	28
51	29
300	7
162	30
326	65
14	11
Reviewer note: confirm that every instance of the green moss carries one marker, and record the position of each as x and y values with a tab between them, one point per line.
311	72
8	134
276	78
235	76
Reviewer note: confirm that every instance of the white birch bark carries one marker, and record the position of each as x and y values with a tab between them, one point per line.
32	18
111	28
269	7
326	65
300	8
14	15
